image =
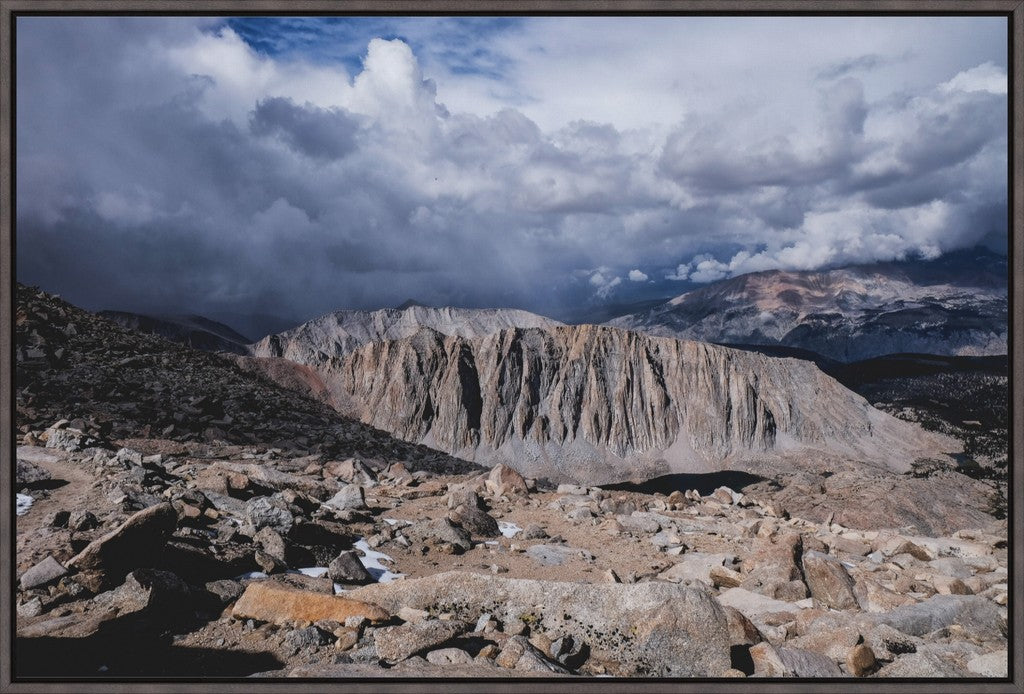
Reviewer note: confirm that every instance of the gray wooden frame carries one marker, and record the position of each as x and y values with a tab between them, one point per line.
1012	9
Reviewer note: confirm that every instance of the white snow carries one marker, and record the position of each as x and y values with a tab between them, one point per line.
250	575
371	560
509	529
23	502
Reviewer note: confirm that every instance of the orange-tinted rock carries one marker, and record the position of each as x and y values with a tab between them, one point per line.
279	605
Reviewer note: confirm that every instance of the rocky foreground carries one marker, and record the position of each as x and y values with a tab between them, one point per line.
198	559
180	516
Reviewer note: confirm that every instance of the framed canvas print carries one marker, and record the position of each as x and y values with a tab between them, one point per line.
551	347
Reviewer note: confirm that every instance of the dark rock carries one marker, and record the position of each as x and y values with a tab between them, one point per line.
137	542
347	568
310	637
475	521
83	520
269	512
224	591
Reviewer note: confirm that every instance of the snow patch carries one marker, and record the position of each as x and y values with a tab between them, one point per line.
23	502
250	575
509	529
371	560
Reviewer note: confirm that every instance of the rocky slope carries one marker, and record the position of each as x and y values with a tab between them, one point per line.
251	563
597	404
955	306
113	382
195	331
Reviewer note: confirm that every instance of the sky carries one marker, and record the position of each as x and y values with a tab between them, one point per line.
289	166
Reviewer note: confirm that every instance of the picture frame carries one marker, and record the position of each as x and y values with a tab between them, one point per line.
11	10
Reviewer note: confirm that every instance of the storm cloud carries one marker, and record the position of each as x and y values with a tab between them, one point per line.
217	167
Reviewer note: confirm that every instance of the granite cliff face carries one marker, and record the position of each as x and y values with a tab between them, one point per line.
597	404
955	306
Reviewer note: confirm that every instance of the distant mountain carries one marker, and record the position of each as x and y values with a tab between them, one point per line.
337	334
595	404
954	305
195	331
585	403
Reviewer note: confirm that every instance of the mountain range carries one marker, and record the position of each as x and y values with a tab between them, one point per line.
648	393
956	305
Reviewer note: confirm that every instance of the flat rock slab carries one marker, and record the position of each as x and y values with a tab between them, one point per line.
395	644
277	604
38	454
979	616
654	629
750	603
556	555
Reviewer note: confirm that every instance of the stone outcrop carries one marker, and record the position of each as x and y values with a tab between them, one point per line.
598	404
650	628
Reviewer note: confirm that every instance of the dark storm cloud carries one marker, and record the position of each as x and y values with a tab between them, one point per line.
166	165
316	132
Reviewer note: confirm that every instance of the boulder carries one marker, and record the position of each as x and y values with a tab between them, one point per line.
347	568
829	582
28	474
979	616
269	512
349	498
46	571
398	643
280	605
449	656
750	603
503	480
272	543
519	654
652	628
136	543
773	568
158	593
874	597
556	555
696	566
860	661
783	661
474	520
995	664
442	533
351	471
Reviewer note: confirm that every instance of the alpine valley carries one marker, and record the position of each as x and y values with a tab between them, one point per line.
781	474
